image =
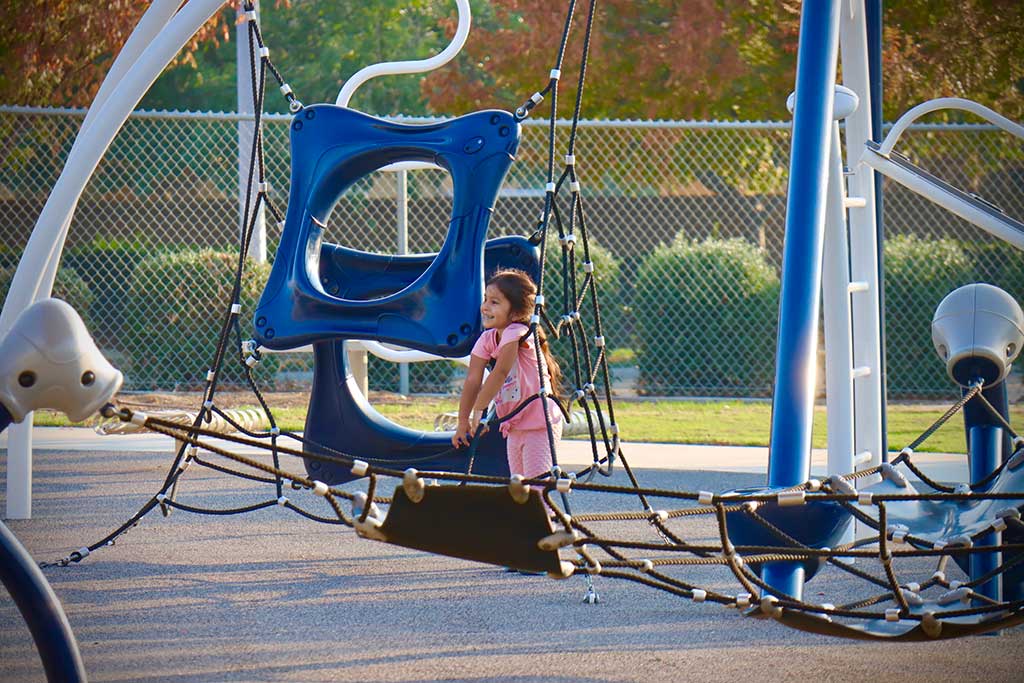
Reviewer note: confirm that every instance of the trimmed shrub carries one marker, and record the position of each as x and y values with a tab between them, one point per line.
706	319
107	266
68	286
176	305
918	274
606	276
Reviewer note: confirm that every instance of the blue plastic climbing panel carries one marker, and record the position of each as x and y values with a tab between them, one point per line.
332	148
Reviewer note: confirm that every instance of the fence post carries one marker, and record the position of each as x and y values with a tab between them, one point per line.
246	133
402	214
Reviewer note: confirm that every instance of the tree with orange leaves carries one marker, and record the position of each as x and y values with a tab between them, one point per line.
57	52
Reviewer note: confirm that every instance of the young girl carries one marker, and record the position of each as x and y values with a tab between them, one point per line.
508	304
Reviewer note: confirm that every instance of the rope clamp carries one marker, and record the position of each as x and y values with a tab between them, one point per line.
790	498
360	468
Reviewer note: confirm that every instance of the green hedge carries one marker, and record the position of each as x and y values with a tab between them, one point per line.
68	286
706	319
606	276
107	267
918	274
174	311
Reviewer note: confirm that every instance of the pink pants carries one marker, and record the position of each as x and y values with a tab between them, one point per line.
529	452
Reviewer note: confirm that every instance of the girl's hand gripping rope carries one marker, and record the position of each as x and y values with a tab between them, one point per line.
466	429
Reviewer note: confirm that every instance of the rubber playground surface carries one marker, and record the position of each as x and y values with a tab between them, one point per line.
271	596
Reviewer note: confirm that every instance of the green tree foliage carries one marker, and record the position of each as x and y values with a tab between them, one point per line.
678	59
931	48
318	46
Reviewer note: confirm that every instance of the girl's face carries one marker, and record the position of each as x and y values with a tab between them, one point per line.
496	309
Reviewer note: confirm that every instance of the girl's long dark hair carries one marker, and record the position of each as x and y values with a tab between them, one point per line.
521	292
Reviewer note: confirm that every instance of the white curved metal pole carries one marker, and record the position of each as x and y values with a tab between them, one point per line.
411	66
149	49
920	110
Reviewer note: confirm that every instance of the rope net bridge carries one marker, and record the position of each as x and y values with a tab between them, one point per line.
906	579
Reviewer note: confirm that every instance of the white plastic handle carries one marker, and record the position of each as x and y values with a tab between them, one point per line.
399	355
411	66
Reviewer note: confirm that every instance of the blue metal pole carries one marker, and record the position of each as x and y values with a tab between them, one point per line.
873	18
986	455
789	459
987	443
41	610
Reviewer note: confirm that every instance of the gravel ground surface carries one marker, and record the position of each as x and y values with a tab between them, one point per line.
270	596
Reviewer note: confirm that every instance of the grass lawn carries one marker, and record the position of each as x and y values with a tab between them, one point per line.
695	422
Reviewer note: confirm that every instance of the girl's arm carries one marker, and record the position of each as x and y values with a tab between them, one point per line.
502	366
470	390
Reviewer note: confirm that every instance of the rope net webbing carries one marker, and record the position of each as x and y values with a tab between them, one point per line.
901	570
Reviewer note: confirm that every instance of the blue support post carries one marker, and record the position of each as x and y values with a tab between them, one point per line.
873	17
987	443
789	460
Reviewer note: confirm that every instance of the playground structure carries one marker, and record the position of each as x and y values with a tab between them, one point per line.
773	539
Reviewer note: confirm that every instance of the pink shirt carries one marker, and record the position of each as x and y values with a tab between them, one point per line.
523	379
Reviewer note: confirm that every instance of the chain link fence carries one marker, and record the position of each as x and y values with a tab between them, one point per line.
689	216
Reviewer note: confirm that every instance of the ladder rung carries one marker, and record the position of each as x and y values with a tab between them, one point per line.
859	286
855	203
862	458
862	371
